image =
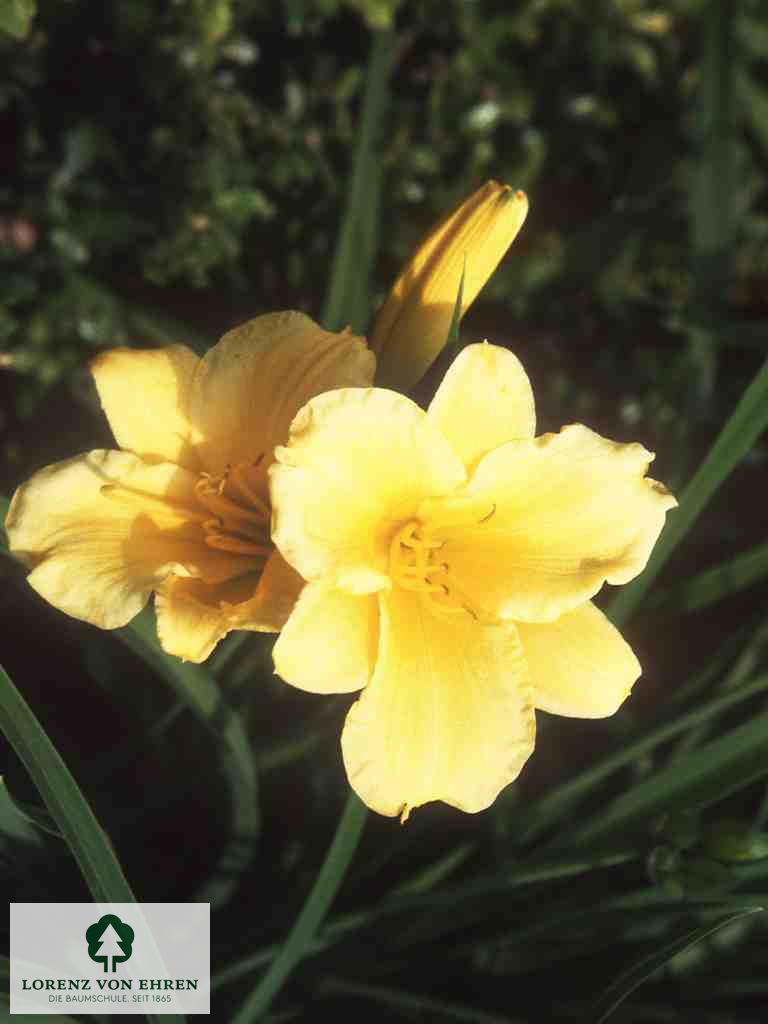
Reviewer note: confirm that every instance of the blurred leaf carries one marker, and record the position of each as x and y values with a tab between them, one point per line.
436	872
421	904
743	428
307	923
14	824
199	692
712	198
82	833
411	1004
16	16
704	777
556	805
735	841
713	584
626	983
347	299
197	689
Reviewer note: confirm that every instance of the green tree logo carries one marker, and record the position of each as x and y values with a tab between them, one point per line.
109	939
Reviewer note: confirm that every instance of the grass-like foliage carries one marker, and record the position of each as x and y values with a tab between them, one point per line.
213	161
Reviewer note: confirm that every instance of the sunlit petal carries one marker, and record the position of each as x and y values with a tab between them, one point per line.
268	609
447	716
100	531
484	400
413	324
358	463
193	616
580	664
329	643
145	395
251	384
561	515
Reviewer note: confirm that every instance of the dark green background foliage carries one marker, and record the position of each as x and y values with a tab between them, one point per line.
173	168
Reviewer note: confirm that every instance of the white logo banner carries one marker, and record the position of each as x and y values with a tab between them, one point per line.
110	958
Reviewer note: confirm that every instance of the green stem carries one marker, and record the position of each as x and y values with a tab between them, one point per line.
306	925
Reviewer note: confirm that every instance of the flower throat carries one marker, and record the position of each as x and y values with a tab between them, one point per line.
239	520
417	563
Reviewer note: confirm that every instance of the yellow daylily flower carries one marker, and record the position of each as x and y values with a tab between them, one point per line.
451	557
183	509
412	326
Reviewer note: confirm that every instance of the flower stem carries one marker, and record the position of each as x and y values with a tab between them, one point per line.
305	927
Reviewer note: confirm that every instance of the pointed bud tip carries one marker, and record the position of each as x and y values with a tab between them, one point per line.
512	195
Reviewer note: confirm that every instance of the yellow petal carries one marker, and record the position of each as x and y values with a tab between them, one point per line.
193	616
251	384
560	516
329	643
580	664
145	395
268	609
358	463
102	530
484	400
447	716
413	324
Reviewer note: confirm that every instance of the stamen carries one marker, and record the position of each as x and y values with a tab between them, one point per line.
235	518
412	568
224	508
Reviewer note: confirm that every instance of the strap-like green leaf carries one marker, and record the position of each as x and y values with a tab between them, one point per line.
87	840
639	972
62	796
705	776
745	425
304	930
551	808
713	584
198	690
347	301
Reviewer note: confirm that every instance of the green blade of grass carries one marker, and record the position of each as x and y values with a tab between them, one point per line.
711	210
415	902
436	872
86	839
16	17
552	806
198	691
305	927
705	776
68	807
411	1003
745	425
712	585
731	682
347	299
639	972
